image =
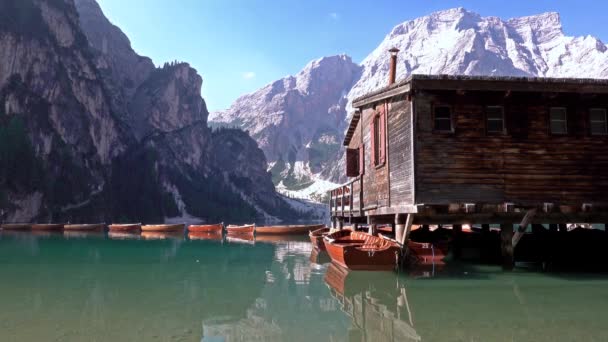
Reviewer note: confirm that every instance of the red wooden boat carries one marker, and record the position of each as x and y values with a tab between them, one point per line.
16	226
130	227
206	228
245	229
205	236
163	228
425	253
316	238
49	226
362	251
288	230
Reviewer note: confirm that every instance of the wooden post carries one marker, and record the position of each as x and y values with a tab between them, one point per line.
403	230
563	228
355	227
372	228
341	223
506	246
523	225
457	238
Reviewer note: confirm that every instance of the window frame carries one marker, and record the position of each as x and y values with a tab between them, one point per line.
605	133
503	120
567	126
433	111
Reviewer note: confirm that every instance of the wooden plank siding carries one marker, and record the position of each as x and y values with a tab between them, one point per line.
400	154
375	179
527	165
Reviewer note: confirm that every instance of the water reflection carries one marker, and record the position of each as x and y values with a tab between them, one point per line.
52	288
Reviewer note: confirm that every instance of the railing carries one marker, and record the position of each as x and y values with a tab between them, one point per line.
345	199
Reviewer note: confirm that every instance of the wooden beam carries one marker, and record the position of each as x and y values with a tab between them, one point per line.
506	246
405	232
523	225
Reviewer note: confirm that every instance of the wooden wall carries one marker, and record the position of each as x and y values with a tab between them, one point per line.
400	155
375	179
527	165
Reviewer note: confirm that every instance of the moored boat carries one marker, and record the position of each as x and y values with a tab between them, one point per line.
16	226
206	228
163	228
425	253
316	238
205	236
127	227
85	227
362	251
47	226
288	230
245	229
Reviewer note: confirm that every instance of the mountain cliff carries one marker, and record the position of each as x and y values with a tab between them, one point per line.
454	41
89	130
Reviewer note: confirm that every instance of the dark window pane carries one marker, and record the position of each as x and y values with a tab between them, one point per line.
495	126
443	119
598	128
494	113
597	115
558	114
558	127
559	121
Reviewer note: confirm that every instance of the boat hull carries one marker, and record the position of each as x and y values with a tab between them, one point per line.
16	226
248	229
427	253
361	251
84	227
206	228
47	227
205	236
134	227
288	230
163	228
316	238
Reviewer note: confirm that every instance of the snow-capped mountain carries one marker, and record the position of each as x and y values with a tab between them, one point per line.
454	41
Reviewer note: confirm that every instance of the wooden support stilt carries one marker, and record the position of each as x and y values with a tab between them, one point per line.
333	223
405	232
485	240
372	227
563	228
457	238
355	226
340	223
506	246
523	225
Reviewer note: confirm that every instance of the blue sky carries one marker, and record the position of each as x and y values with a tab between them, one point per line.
239	46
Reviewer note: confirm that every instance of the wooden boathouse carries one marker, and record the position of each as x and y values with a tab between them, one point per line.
459	150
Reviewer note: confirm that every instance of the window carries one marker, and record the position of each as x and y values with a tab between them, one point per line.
495	119
597	121
559	120
443	119
352	162
378	139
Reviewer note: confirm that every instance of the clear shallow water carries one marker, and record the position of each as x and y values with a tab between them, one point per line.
93	288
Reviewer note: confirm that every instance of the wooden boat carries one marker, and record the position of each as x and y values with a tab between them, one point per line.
16	226
129	227
425	253
206	228
47	226
245	229
316	238
362	251
288	230
205	236
158	235
84	227
163	227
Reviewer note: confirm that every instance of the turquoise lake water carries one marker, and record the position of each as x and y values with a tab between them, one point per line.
94	288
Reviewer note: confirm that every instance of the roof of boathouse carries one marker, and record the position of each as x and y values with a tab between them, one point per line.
475	83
